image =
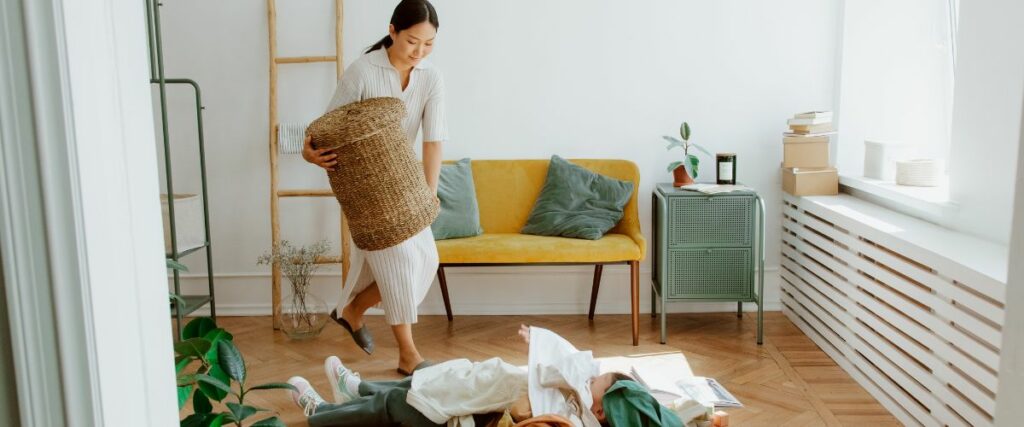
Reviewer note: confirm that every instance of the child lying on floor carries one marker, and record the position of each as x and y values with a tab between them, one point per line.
561	384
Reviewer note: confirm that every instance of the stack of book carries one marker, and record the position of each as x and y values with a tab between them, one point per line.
806	166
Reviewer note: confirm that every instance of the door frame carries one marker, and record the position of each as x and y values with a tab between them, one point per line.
80	226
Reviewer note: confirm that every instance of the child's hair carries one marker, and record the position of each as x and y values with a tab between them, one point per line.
620	376
616	377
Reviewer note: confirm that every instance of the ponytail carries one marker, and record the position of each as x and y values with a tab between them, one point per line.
384	43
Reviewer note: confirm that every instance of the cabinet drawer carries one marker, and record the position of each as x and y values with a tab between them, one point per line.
709	273
710	221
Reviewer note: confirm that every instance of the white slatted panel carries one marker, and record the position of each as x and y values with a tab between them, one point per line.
920	335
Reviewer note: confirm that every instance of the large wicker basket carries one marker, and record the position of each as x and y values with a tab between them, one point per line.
378	180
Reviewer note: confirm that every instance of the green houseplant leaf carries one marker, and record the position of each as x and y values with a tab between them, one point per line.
689	169
216	384
241	412
176	299
272	386
673	142
218	335
702	150
187	380
183	392
194	420
231	360
692	161
215	336
198	328
684	131
192	347
216	421
672	166
175	265
201	403
269	422
181	363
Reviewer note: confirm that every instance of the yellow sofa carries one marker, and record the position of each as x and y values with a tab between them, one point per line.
506	191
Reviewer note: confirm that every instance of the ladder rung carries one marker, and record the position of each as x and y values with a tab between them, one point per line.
305	193
304	59
328	260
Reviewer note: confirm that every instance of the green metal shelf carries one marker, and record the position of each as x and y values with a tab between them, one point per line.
157	77
192	303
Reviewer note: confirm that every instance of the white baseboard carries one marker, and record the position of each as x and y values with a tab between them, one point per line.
484	291
506	310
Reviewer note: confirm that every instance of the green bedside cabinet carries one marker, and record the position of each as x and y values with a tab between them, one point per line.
707	248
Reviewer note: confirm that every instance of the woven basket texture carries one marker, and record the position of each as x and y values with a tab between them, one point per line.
378	180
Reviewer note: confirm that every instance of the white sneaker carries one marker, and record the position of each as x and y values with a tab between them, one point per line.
344	383
306	398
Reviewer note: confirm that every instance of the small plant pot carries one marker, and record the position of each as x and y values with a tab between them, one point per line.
680	176
304	319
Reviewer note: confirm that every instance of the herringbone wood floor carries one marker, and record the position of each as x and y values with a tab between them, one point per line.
788	381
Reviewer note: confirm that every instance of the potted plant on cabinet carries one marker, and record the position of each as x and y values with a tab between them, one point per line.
684	171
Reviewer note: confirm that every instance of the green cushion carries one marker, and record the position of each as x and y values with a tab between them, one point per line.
460	215
576	202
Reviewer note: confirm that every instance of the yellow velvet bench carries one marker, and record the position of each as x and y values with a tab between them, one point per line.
506	191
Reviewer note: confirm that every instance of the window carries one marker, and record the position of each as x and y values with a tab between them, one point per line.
896	86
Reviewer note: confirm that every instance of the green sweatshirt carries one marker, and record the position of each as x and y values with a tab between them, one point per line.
628	404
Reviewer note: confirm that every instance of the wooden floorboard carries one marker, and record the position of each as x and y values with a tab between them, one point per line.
788	381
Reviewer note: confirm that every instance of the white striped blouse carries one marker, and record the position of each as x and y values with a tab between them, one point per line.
372	76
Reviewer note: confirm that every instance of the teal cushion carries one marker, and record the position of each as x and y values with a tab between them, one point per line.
576	202
460	215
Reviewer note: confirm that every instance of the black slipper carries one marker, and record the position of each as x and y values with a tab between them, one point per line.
423	364
362	337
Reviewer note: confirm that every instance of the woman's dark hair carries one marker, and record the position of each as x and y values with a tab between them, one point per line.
407	14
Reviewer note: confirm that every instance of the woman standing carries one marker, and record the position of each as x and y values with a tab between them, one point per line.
397	278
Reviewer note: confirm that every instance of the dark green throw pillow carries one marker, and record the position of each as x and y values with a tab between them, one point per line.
576	202
460	215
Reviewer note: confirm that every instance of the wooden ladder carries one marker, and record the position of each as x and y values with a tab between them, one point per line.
275	192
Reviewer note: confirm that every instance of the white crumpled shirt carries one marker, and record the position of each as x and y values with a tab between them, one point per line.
559	378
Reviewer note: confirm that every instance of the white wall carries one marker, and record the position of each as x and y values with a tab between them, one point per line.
988	94
526	79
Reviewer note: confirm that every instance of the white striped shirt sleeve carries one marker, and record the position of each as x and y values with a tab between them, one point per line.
435	124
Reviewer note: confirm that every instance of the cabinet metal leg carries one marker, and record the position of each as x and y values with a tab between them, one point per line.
760	324
663	313
654	301
739	309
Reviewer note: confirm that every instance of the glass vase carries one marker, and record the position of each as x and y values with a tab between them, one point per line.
304	317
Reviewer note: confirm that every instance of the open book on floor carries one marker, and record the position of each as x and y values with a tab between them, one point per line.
667	386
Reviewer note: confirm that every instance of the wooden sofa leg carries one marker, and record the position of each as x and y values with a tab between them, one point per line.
597	286
444	291
634	290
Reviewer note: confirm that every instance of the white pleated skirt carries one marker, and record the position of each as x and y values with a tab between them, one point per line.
403	273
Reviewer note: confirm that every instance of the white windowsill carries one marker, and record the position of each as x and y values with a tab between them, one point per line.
928	203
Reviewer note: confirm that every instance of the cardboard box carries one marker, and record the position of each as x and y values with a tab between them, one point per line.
805	152
810	181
